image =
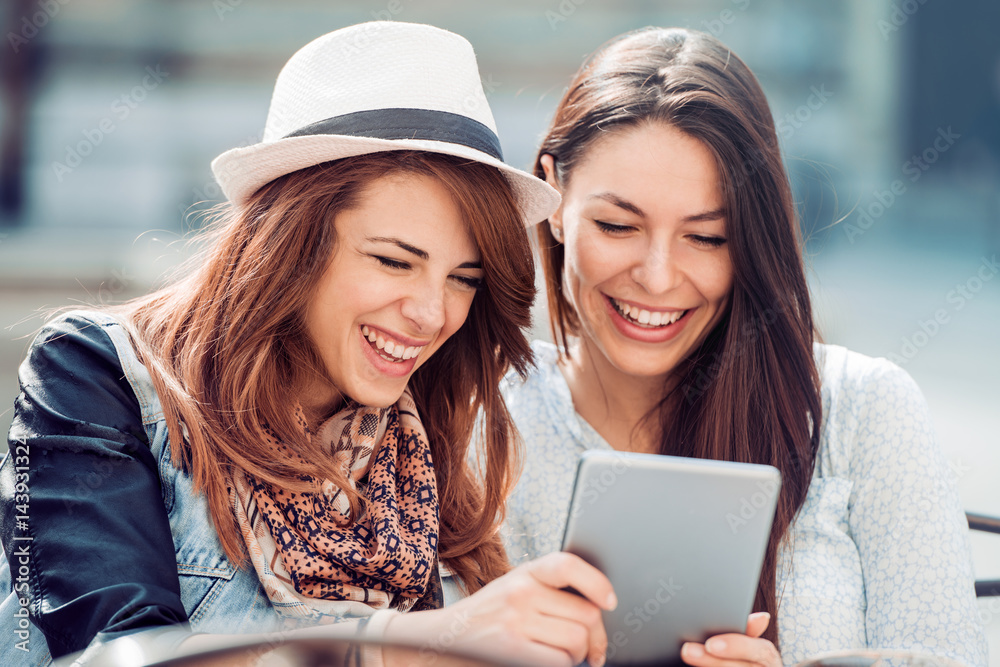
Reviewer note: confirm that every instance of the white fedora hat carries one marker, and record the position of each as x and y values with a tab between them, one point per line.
378	86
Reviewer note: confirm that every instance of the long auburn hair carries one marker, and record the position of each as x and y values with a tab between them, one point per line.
227	344
750	392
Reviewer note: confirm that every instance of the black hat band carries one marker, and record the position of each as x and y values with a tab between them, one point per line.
394	124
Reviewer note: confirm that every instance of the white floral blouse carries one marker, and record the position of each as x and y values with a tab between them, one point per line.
879	553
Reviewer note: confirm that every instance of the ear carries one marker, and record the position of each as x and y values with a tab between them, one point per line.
555	220
549	167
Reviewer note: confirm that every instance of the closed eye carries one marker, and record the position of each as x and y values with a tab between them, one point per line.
469	282
609	228
708	241
390	263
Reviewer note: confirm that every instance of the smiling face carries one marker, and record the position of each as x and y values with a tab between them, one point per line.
400	283
647	268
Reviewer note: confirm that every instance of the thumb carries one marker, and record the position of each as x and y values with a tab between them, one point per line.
757	623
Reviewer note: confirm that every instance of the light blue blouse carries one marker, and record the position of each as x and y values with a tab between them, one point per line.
878	556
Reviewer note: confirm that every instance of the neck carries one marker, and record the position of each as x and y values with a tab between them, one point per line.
318	402
616	404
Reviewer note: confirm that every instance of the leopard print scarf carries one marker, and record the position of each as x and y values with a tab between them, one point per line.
313	558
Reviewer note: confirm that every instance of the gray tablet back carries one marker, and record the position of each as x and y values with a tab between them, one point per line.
682	541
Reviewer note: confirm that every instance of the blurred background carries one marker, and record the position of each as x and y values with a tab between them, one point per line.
888	112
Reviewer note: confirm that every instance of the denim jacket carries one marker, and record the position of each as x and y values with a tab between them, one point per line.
103	470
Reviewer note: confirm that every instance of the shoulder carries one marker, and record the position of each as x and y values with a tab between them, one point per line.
72	371
76	329
843	370
856	385
541	401
74	345
543	382
869	405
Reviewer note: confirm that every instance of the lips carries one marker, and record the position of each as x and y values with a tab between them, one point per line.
671	322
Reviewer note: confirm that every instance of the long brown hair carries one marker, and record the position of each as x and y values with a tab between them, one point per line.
750	392
227	344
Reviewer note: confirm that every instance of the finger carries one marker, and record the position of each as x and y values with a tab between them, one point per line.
757	623
530	653
562	570
560	633
571	607
694	654
733	646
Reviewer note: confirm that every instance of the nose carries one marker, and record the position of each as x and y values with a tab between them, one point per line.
656	269
424	307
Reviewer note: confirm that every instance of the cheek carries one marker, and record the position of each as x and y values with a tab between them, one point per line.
716	280
457	310
591	262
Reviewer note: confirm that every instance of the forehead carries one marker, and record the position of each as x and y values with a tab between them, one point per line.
414	207
652	162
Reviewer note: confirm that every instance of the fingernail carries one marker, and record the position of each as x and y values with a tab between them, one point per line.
759	614
601	659
692	650
715	645
612	601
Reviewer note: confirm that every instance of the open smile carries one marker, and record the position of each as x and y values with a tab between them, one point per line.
390	348
647	325
650	319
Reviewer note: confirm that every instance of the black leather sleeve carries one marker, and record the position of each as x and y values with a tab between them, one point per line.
101	552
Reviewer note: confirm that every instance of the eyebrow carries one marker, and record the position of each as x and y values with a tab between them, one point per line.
611	198
422	254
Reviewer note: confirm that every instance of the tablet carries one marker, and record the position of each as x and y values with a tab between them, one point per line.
682	541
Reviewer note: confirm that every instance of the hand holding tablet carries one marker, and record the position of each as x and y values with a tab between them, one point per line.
682	541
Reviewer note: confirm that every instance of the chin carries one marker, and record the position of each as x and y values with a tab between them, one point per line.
648	365
377	397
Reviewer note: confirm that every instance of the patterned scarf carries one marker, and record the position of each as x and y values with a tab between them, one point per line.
313	558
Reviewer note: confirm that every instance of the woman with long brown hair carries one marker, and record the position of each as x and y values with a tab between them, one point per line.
278	439
679	305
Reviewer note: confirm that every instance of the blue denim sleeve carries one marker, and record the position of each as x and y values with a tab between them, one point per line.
79	491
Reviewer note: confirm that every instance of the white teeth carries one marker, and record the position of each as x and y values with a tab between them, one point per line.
646	317
390	349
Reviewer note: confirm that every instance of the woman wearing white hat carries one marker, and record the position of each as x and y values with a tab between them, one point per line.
301	402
